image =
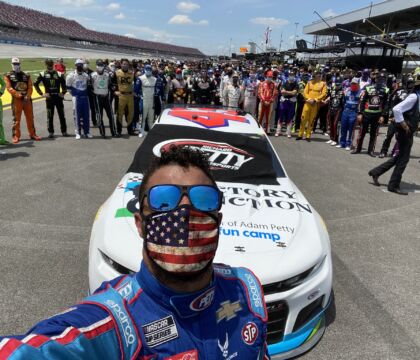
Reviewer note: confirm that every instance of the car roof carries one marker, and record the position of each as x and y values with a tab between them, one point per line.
217	119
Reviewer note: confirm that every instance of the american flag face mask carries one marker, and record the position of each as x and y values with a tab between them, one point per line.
183	240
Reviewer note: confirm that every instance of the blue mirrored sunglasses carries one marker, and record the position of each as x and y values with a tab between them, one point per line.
166	197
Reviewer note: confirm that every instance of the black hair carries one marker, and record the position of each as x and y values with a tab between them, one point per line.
177	155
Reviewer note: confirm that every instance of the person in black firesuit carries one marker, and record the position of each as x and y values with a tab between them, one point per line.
407	116
55	89
203	89
398	96
336	101
372	110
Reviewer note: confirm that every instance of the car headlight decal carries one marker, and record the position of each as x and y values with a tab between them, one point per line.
116	266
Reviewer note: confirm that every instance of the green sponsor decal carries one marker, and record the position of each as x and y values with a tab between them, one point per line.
123	212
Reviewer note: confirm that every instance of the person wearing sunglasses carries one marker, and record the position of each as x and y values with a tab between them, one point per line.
180	305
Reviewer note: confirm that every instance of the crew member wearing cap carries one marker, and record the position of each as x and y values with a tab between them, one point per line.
179	87
233	95
19	85
124	84
55	88
315	91
101	85
407	116
145	88
267	92
77	82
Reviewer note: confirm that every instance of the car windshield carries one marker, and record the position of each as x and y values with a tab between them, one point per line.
240	158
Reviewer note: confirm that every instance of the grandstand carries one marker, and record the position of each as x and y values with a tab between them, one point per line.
382	35
21	25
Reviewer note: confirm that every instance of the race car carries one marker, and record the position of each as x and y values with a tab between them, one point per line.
268	225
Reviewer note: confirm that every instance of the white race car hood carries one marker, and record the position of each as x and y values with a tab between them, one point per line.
269	228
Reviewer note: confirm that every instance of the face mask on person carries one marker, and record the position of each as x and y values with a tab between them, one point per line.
354	87
193	250
16	67
100	69
252	76
270	79
291	79
148	73
79	68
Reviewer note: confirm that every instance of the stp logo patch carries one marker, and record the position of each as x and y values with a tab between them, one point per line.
187	355
208	118
249	333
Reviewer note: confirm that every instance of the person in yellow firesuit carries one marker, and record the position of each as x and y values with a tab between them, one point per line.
124	81
315	92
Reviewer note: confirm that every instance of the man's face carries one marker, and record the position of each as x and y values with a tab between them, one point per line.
172	174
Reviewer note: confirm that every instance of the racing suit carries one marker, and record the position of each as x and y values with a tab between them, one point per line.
267	92
300	102
78	83
203	89
179	89
55	86
216	93
287	107
348	118
136	317
250	88
124	85
146	88
2	137
316	91
372	105
399	96
225	81
233	96
19	85
159	96
101	85
336	96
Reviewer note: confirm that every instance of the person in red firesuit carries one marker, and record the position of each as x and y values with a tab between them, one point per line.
19	85
267	92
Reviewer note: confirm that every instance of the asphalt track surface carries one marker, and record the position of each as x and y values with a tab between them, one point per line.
50	192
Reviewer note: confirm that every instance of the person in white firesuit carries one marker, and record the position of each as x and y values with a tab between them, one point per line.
101	85
226	80
145	88
233	95
250	89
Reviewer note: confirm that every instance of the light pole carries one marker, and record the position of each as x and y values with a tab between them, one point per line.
296	24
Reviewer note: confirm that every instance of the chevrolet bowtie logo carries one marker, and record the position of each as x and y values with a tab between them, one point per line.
228	310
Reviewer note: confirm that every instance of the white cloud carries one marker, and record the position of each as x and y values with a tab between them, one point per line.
186	20
270	21
180	20
186	6
130	35
119	16
113	6
329	13
77	3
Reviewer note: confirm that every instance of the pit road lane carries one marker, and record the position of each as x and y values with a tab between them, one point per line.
50	192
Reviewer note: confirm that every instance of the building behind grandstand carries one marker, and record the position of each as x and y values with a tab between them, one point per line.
382	35
21	25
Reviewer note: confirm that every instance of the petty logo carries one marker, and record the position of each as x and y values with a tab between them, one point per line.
203	301
221	156
208	118
249	333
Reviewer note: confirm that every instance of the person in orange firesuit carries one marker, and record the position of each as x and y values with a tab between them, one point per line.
19	85
315	92
267	92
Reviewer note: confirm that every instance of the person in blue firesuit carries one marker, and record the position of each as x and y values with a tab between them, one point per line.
161	84
348	118
179	305
77	83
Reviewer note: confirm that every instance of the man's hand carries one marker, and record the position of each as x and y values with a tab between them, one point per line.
381	120
61	95
405	127
359	118
117	93
46	95
25	98
310	101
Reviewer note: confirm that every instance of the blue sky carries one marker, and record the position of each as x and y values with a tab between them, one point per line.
207	25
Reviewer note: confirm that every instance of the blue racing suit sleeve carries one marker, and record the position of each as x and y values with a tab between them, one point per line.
82	332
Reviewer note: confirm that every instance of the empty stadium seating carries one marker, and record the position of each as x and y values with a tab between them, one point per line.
17	22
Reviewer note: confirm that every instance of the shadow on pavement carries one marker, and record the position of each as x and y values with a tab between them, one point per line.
6	156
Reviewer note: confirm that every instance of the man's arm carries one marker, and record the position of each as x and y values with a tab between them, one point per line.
36	84
404	106
83	332
10	89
